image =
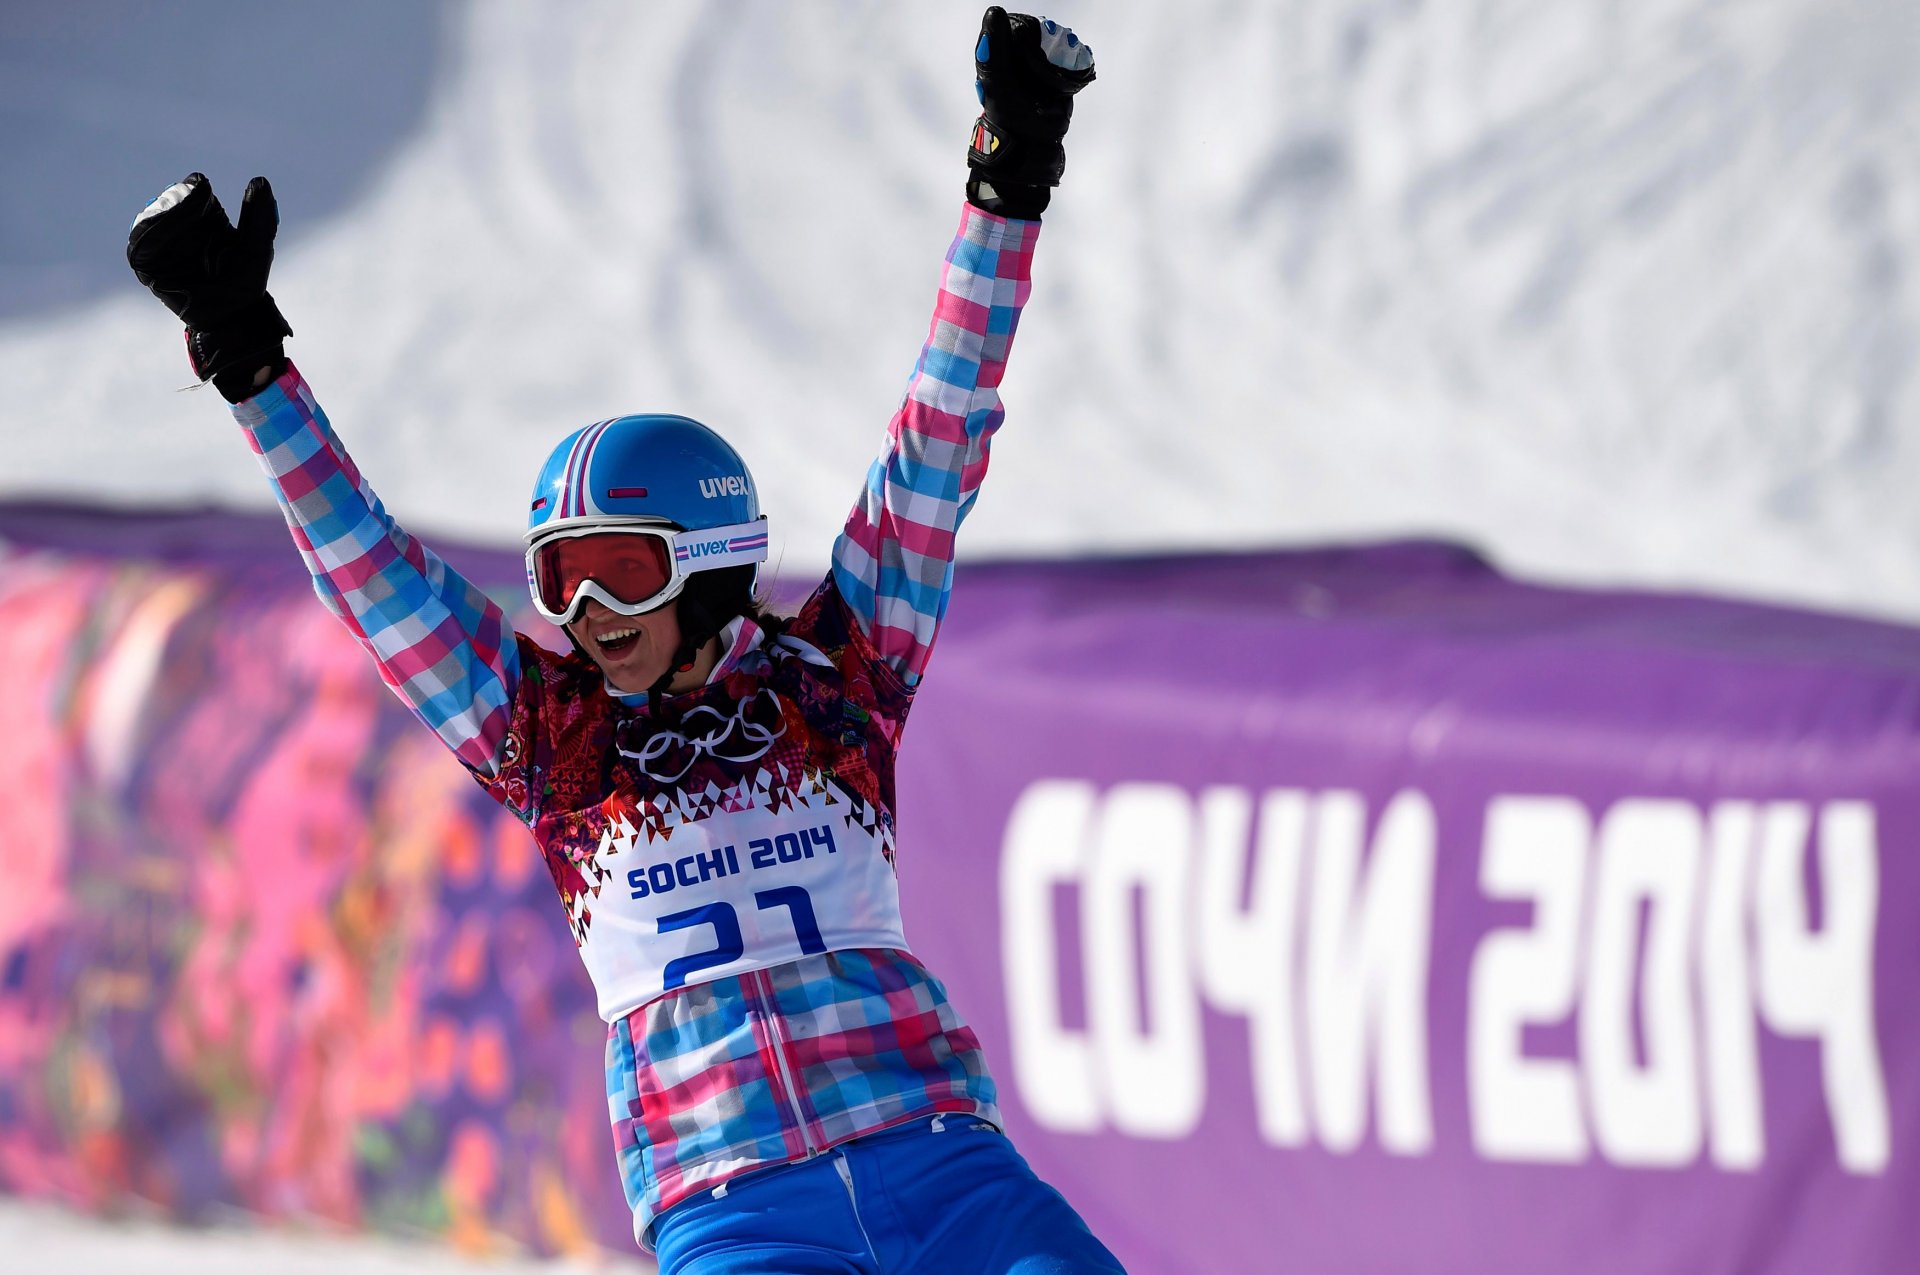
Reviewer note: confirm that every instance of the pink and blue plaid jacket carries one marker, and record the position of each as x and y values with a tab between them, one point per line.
716	1078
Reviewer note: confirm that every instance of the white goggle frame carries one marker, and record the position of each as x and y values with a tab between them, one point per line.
704	549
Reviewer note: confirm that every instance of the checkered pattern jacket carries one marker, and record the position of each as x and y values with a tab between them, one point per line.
722	1077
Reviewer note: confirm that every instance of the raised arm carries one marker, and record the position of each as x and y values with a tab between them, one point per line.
443	646
438	641
893	562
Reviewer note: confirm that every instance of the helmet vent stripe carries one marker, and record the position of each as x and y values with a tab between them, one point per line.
626	493
570	497
567	479
582	491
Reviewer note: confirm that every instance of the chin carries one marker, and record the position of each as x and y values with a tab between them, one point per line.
628	678
627	682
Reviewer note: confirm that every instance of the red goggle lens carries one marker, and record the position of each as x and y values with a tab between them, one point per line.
631	567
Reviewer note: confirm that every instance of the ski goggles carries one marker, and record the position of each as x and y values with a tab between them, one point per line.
631	568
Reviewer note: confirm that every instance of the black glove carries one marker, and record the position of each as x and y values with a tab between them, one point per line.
214	276
1028	70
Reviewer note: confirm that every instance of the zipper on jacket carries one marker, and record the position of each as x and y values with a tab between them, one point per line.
776	1040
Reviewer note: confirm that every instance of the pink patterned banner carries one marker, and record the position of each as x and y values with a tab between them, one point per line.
262	942
1356	911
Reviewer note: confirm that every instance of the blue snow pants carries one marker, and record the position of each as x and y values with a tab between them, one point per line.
950	1196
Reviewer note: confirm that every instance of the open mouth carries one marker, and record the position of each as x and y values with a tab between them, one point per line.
615	643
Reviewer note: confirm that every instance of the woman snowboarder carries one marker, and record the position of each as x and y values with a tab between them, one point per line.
713	787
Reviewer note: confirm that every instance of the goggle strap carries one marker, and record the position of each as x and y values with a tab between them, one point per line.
711	548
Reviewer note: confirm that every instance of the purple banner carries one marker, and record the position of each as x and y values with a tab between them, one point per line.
1366	911
1344	911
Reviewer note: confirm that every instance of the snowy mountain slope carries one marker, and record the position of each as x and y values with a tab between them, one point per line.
41	1237
1619	292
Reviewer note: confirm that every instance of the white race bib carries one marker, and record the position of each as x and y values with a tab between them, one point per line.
736	891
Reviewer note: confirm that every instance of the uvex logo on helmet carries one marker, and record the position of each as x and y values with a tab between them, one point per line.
731	485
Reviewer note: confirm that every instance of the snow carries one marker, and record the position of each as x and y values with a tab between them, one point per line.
39	1237
1616	292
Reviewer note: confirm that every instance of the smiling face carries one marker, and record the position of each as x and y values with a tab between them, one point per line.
631	650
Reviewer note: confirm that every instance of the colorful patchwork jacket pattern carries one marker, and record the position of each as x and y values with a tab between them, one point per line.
782	1013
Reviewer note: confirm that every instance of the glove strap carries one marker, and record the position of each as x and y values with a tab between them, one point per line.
232	352
1008	199
1011	177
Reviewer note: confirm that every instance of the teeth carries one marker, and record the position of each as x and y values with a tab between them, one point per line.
617	635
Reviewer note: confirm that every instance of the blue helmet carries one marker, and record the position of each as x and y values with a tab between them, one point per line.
662	472
655	469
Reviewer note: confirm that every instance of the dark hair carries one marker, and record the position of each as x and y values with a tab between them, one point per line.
711	598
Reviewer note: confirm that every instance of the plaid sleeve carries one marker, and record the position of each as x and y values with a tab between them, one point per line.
893	563
439	642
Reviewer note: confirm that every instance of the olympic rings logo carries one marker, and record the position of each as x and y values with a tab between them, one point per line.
745	735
